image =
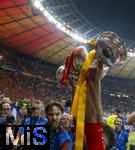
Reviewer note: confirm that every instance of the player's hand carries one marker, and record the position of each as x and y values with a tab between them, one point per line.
95	71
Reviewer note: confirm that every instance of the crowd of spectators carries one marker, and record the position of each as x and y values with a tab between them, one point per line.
22	79
25	85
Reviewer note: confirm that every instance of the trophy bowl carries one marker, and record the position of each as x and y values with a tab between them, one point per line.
111	49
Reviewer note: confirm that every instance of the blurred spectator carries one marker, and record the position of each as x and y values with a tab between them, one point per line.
121	135
6	112
59	136
35	118
66	122
111	119
22	115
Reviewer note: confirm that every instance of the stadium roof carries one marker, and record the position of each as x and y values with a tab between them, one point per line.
25	29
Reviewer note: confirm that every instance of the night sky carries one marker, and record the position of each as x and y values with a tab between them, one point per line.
110	15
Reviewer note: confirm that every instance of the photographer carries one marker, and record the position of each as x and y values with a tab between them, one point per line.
35	118
6	113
